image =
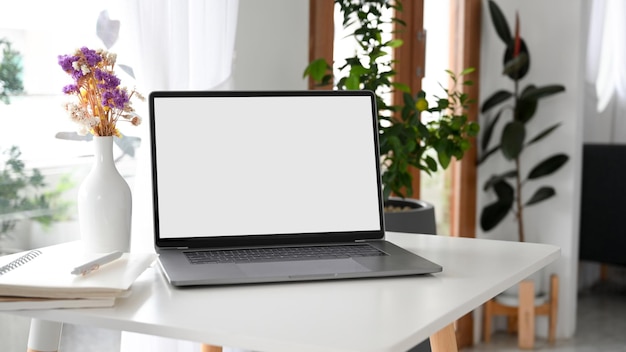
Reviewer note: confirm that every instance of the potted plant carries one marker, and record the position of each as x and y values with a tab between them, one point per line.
405	140
514	110
519	106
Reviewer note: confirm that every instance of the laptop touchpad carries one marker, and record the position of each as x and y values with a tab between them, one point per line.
303	267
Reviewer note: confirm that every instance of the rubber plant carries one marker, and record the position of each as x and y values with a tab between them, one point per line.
405	140
520	106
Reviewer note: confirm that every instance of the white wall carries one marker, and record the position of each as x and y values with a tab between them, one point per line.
272	50
555	34
272	45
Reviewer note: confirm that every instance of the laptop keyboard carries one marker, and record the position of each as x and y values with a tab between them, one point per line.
282	254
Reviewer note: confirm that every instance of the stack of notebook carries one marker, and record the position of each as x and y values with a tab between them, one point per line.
43	279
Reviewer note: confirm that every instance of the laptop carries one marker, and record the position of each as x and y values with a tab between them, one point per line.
270	186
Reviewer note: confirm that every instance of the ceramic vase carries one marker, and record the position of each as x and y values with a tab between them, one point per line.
104	203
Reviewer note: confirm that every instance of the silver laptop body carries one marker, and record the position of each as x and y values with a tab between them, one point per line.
242	171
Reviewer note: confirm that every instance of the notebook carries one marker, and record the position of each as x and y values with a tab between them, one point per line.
251	172
47	273
9	303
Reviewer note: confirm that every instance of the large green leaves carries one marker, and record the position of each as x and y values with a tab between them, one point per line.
512	141
548	166
541	194
541	92
516	67
495	212
500	23
495	99
544	133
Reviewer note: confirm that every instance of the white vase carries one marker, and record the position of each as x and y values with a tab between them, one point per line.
104	203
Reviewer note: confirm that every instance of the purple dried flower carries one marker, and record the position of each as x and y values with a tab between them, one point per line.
70	89
115	98
66	62
101	102
91	56
121	99
107	80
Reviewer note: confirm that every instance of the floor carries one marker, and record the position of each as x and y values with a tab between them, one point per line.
601	325
601	328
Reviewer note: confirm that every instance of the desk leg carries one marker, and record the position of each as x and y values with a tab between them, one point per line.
526	315
444	340
44	336
210	348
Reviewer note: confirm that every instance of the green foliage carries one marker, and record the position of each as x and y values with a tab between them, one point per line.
512	142
22	194
10	71
405	140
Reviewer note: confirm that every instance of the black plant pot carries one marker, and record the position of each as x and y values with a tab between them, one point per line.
416	216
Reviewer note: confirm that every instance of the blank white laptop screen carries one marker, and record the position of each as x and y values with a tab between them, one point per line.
258	165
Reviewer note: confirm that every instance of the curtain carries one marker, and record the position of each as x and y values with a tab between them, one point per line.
170	45
605	105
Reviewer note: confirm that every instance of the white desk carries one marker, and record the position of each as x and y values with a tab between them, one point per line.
352	315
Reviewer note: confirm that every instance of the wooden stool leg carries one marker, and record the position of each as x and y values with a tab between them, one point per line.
444	340
554	306
511	324
210	348
487	321
526	315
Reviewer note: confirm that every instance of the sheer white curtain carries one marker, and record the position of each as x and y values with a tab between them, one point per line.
605	112
170	45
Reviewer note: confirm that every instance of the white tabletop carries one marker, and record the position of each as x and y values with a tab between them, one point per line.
349	315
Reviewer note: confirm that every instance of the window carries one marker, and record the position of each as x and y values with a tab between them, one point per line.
31	119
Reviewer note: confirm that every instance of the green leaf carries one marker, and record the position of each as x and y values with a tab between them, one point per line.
541	194
401	87
512	66
473	129
512	141
444	158
489	131
431	163
544	133
495	212
466	71
526	109
533	92
499	22
493	180
353	83
548	166
487	154
316	69
358	70
495	99
394	43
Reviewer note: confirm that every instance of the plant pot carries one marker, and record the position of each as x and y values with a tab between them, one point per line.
410	215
